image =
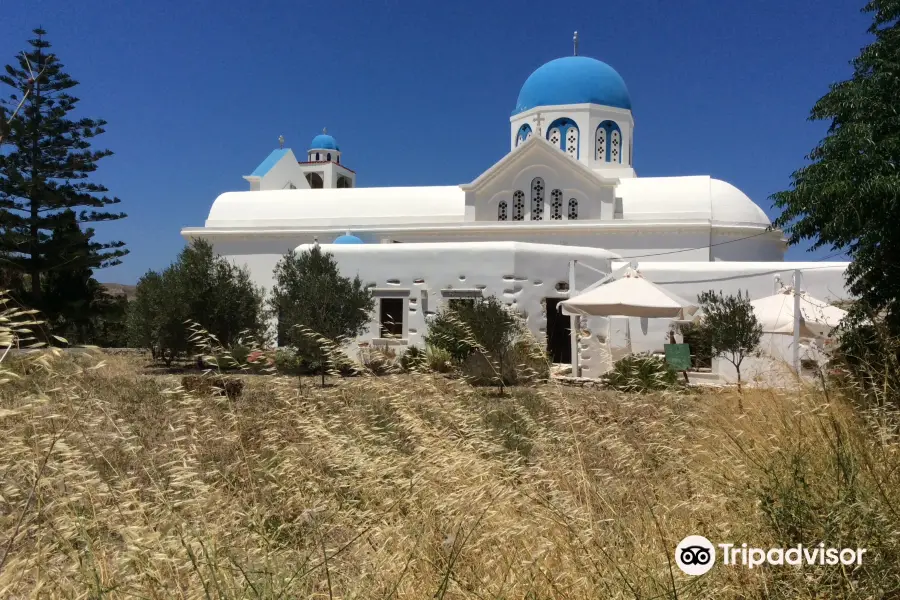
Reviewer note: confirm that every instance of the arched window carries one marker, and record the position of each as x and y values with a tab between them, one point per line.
315	181
608	145
338	159
518	213
573	209
556	205
317	156
524	133
328	157
563	133
501	211
600	147
537	199
572	142
553	136
343	182
615	147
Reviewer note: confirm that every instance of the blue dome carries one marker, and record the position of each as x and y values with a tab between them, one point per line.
573	80
347	239
323	141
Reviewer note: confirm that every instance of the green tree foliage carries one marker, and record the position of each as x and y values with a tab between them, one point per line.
483	326
199	286
317	308
730	325
848	197
45	194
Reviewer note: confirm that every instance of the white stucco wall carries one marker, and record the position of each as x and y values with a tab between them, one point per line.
520	274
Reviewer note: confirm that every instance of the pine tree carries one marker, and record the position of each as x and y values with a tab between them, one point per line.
848	197
44	187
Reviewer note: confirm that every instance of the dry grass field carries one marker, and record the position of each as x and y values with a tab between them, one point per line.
118	484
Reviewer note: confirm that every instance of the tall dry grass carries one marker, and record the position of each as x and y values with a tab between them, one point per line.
117	484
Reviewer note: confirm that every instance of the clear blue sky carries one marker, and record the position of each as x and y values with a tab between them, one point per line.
196	93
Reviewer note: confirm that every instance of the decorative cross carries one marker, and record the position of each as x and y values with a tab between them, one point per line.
281	141
324	130
538	119
575	42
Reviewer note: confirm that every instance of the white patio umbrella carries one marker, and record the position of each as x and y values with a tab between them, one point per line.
776	314
629	296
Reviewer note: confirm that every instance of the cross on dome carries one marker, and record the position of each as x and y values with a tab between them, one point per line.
575	42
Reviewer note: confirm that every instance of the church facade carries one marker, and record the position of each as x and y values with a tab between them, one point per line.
566	191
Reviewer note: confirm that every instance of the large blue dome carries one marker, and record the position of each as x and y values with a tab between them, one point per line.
573	80
323	141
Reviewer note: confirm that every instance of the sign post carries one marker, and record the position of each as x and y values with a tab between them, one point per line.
679	357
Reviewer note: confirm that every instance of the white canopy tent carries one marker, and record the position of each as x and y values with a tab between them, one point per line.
623	293
791	311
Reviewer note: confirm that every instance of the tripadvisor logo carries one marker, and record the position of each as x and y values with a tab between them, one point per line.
695	555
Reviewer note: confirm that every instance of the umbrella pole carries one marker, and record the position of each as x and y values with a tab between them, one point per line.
796	348
573	321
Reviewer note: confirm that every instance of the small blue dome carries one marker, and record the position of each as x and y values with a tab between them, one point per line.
347	239
323	141
573	80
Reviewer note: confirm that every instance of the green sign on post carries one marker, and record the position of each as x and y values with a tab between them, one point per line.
678	356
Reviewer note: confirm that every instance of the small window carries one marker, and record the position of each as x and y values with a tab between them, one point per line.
537	199
317	156
556	205
518	206
573	209
391	317
502	211
618	213
328	156
338	159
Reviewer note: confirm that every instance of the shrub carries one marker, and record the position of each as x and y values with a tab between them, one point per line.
484	327
379	360
287	362
438	360
414	359
640	373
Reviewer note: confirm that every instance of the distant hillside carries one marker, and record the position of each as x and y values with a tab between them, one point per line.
120	289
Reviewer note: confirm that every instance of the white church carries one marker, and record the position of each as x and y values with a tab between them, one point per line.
567	190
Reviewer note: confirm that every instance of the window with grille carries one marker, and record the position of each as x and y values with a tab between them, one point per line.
556	205
609	142
572	142
537	199
518	206
573	209
600	150
553	136
501	211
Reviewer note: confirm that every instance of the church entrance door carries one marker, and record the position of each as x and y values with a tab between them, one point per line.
559	331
